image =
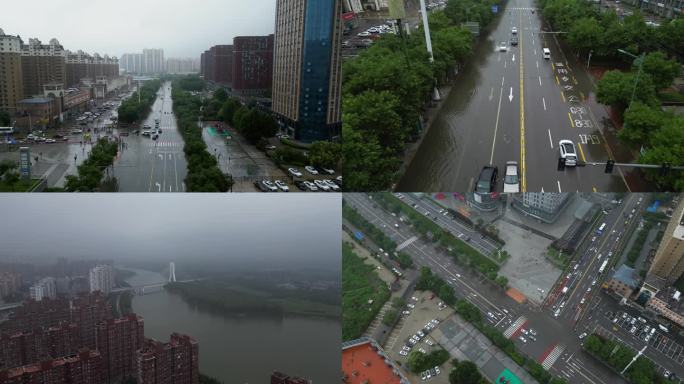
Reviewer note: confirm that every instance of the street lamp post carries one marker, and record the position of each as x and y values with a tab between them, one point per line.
589	59
641	64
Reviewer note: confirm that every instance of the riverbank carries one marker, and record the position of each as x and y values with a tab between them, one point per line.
227	298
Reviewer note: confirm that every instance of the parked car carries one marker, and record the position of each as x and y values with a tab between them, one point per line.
311	170
567	152
322	185
511	178
282	186
294	172
486	182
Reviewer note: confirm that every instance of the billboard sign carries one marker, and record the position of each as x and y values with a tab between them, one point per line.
25	162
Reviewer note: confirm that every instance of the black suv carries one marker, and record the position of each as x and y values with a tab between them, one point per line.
486	183
514	40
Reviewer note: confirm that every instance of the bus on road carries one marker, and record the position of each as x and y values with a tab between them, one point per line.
600	230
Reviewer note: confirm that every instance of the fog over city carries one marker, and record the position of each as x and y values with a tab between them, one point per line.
182	28
231	231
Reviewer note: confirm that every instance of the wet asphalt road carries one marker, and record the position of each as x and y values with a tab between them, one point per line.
514	106
146	165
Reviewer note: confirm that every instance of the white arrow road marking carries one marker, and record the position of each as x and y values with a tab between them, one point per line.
158	186
510	96
514	57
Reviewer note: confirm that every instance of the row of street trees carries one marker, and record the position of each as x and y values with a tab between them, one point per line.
131	110
203	174
91	171
617	356
385	90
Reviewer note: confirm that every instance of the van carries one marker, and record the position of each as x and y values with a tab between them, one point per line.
547	53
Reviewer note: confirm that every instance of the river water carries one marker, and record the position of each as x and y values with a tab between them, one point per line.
243	350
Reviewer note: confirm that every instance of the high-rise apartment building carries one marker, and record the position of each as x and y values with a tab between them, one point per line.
180	65
218	64
80	65
42	64
11	82
174	362
118	340
9	283
101	278
252	65
541	205
132	62
45	288
668	263
306	68
153	61
85	367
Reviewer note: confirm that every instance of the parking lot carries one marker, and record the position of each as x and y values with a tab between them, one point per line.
423	317
645	332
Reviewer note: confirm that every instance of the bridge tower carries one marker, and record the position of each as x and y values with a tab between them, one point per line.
172	272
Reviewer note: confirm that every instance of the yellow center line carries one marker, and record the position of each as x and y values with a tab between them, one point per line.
594	189
522	110
557	82
563	96
570	118
582	152
553	67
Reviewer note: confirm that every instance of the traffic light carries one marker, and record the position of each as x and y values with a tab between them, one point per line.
561	163
609	166
664	169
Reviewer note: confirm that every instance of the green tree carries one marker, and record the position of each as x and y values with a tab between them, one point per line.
662	71
4	119
7	165
666	146
615	89
640	122
465	372
368	166
586	34
375	114
227	111
11	178
501	281
221	95
325	154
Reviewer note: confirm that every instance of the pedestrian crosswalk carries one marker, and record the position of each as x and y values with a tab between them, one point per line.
164	144
551	358
517	324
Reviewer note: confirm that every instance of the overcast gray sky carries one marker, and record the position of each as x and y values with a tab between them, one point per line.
297	229
183	28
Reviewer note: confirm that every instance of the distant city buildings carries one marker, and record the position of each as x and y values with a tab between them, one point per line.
9	284
149	62
42	64
359	6
306	70
102	278
540	205
45	288
181	66
81	65
118	340
82	368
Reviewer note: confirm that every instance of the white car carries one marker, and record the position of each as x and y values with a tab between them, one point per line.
437	370
311	186
363	34
511	178
503	47
332	185
403	353
282	186
50	141
583	335
428	342
514	30
311	170
568	152
329	171
421	350
322	185
294	172
269	184
523	339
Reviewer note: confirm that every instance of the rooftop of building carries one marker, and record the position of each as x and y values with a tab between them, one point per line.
36	100
626	275
364	361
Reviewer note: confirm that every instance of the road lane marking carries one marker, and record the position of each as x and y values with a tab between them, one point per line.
594	189
559	188
522	114
550	140
505	64
572	124
496	126
502	80
544	102
540	81
581	152
491	94
563	96
537	63
557	82
553	67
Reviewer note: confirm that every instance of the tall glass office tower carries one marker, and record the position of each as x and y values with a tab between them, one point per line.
306	69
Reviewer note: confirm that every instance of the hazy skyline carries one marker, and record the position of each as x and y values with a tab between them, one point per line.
293	230
181	28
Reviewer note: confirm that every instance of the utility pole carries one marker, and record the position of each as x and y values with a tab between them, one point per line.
634	359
